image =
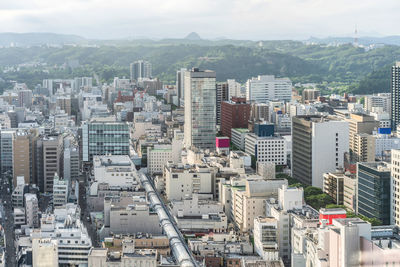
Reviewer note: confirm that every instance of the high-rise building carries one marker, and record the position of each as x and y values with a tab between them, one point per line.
25	98
200	109
180	79
140	69
100	137
373	196
60	192
6	150
50	148
310	94
395	173
361	124
381	100
222	95
265	88
235	113
395	88
318	146
31	210
23	155
235	89
64	103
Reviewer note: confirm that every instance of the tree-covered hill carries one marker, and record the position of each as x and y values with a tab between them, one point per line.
360	70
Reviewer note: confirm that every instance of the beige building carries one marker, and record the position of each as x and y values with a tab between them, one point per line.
44	252
363	148
350	192
23	155
65	104
52	148
182	181
358	124
157	156
249	203
395	172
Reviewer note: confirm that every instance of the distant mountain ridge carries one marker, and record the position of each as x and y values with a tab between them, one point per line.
387	40
37	38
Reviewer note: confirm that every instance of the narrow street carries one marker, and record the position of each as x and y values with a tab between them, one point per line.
8	219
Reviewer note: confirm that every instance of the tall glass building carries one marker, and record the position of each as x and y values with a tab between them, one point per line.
200	109
395	88
373	196
105	138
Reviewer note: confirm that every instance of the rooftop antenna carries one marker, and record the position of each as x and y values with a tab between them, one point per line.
355	36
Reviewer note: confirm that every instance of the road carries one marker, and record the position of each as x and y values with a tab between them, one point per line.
8	219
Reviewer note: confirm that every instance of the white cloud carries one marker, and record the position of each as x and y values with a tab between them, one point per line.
252	19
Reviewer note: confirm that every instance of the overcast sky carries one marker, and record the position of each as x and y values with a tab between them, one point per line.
237	19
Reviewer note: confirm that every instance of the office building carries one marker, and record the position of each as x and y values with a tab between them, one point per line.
334	186
234	89
318	146
360	124
222	95
182	181
23	156
238	137
180	83
50	162
265	238
25	98
310	95
381	100
44	252
60	191
31	210
200	109
265	88
157	157
140	69
235	113
67	230
373	196
395	173
395	88
102	137
266	148
363	147
6	150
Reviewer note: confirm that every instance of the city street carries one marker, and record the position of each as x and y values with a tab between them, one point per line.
8	220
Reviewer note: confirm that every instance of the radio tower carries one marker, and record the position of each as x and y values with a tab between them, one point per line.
356	37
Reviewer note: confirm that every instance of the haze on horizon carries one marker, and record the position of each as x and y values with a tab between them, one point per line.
235	19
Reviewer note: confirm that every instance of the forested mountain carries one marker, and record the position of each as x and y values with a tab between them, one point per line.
356	69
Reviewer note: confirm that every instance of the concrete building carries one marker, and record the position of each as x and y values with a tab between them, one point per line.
265	88
195	207
6	150
238	137
71	236
318	146
359	124
221	96
19	217
140	69
334	186
132	218
25	98
374	185
214	222
60	191
265	238
182	181
31	210
363	148
267	148
71	163
180	80
118	172
200	109
102	257
157	157
105	138
395	96
249	202
64	103
51	146
44	252
382	100
235	113
310	95
23	155
350	192
395	174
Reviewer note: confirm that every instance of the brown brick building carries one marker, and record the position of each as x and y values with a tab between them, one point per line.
234	114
